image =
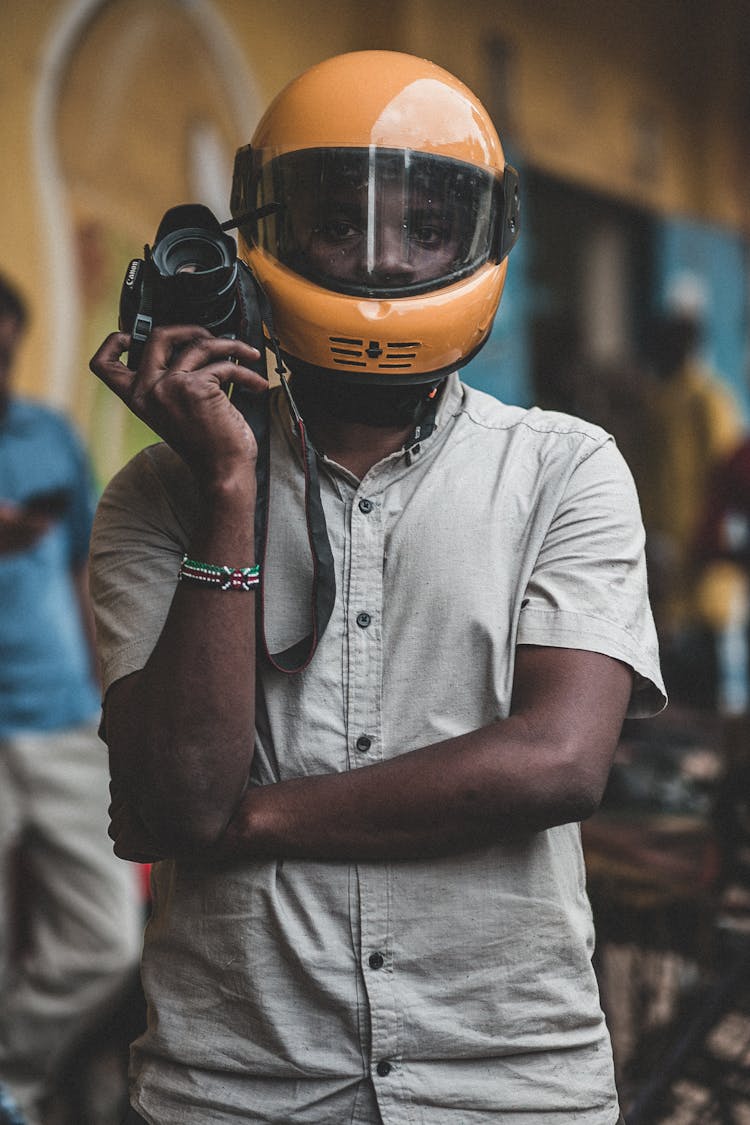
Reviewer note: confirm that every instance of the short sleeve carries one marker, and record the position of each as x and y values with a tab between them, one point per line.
588	589
139	537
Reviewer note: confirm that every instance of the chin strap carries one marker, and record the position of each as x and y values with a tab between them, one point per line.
256	312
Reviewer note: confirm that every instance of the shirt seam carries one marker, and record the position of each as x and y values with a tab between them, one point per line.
574	615
598	441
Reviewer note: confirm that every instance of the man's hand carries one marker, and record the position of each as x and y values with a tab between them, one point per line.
20	529
178	391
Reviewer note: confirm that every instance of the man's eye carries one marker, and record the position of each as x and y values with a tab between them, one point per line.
430	236
338	230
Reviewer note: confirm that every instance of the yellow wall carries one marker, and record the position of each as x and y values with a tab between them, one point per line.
278	41
21	251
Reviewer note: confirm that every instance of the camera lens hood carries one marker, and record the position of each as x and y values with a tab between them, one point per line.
197	267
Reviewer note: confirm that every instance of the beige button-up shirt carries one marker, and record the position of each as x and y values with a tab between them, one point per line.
453	991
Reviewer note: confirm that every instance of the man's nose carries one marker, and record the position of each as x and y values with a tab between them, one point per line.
392	259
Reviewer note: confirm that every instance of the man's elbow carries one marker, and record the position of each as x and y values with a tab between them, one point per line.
187	814
184	829
580	804
581	781
568	785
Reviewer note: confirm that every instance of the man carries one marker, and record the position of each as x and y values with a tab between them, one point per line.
81	912
371	904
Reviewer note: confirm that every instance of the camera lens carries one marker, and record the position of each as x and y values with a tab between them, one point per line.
189	252
198	270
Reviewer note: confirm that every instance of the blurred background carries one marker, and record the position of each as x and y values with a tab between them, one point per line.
627	302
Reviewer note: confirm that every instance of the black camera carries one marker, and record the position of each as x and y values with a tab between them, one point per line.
191	275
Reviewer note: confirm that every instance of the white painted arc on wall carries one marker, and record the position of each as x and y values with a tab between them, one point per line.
63	315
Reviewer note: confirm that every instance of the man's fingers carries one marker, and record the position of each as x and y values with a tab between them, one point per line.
206	351
175	348
164	347
168	342
107	365
226	372
188	347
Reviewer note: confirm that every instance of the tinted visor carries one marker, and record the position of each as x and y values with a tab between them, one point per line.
374	222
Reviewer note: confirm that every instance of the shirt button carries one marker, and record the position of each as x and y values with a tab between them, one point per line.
366	506
377	960
363	620
383	1068
363	743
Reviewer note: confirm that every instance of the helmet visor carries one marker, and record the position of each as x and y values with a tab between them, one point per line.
374	222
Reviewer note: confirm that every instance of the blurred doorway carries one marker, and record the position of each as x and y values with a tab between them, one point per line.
590	269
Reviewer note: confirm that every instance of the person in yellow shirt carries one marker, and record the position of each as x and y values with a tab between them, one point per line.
692	423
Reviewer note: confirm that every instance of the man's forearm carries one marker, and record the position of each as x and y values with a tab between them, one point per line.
180	732
437	800
546	764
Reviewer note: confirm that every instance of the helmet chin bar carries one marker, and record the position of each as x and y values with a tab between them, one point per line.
429	379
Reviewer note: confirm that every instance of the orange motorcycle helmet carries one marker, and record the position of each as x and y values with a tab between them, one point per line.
376	209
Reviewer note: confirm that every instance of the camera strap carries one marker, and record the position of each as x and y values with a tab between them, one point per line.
255	313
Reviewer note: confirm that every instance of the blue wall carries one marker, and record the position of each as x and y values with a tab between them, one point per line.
502	368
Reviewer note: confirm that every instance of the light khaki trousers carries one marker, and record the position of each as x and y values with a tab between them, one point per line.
81	904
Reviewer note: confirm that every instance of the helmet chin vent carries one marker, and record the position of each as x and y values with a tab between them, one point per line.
391	355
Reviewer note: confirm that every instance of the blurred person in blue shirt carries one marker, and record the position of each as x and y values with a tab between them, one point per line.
79	904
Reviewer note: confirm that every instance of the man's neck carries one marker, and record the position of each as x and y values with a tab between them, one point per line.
354	445
357	426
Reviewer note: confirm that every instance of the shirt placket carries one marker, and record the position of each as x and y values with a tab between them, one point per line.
365	738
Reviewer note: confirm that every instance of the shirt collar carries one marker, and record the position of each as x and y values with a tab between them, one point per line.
451	400
449	405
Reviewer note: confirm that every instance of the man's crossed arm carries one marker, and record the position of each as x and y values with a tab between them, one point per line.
546	764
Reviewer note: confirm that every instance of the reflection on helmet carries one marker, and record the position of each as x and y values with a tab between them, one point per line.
384	220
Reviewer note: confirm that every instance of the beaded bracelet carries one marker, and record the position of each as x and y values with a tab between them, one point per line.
223	577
